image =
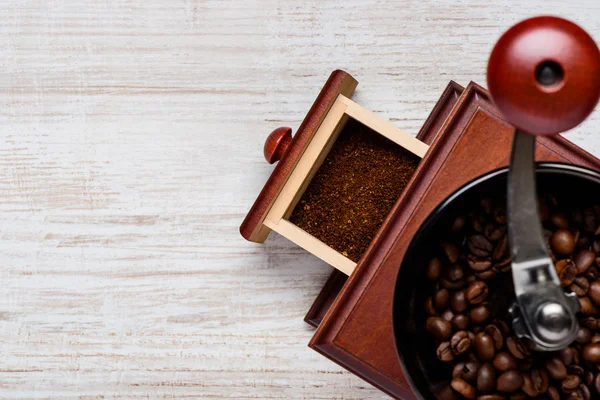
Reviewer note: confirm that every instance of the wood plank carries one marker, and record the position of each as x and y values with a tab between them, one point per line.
131	150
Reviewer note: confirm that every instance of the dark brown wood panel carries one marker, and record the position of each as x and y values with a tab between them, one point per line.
427	134
357	332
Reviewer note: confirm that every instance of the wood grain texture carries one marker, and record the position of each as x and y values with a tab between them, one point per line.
131	150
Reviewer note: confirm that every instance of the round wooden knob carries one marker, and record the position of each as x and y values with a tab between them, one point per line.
544	75
277	143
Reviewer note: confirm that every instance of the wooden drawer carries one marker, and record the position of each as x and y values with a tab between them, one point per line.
301	157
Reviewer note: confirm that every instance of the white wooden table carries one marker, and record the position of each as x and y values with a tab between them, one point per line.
131	149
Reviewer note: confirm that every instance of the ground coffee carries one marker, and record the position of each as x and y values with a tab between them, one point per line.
354	189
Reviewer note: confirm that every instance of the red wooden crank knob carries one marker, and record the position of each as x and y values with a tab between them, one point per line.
277	143
544	75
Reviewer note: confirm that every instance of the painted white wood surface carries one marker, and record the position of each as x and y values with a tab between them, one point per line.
130	151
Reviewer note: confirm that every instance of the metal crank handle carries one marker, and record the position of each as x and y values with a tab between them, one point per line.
543	312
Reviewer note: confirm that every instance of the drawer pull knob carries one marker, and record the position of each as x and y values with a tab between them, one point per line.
277	143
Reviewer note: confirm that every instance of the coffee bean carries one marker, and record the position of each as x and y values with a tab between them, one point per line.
570	383
444	352
439	328
583	260
589	220
596	246
478	223
450	285
580	286
588	378
566	271
486	378
586	306
463	388
458	224
484	347
529	387
518	396
478	264
470	371
562	242
491	397
589	322
454	273
501	249
595	338
460	322
429	307
480	246
451	252
526	365
458	302
553	393
559	220
567	355
434	268
442	300
594	292
457	371
500	215
597	383
576	236
556	368
493	232
517	348
584	335
539	377
503	326
583	243
503	265
576	358
496	335
448	315
584	392
592	273
575	370
460	343
590	353
577	217
479	314
504	361
477	292
467	371
486	275
486	205
509	381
